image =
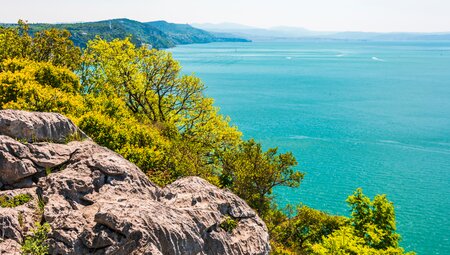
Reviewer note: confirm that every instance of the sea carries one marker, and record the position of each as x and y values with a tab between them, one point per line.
374	115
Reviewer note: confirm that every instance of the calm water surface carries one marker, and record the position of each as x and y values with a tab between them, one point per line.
355	114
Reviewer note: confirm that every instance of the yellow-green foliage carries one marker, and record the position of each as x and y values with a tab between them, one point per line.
369	231
120	85
21	199
52	46
38	86
150	83
36	243
141	144
345	242
163	122
308	227
228	224
374	221
253	173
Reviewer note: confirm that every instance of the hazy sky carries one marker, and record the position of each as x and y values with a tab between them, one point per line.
329	15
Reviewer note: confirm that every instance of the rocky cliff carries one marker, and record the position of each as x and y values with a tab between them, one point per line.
96	202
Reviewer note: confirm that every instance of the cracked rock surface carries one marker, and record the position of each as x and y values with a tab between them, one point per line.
96	202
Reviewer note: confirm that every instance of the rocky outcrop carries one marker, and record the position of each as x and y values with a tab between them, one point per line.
38	127
96	202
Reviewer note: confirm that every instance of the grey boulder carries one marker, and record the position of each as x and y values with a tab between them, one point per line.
96	202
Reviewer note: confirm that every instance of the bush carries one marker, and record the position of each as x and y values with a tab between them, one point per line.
253	173
15	201
52	46
36	244
345	241
228	224
308	227
35	86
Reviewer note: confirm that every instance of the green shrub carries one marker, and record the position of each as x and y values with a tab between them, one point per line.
11	202
36	244
228	224
308	227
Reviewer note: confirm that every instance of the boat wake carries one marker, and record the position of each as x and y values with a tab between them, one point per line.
378	59
414	147
303	137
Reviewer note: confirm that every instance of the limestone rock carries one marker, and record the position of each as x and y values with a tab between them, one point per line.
9	247
96	202
37	127
15	223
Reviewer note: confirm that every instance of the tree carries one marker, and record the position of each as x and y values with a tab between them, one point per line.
15	42
371	231
374	221
345	242
148	79
308	227
252	174
39	86
149	83
53	46
120	86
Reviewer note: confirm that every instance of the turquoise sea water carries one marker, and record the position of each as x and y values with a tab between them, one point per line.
374	115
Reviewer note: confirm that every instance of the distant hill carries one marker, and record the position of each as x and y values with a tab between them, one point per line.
186	34
255	33
158	34
293	33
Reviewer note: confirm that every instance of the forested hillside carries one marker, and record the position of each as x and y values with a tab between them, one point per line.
158	34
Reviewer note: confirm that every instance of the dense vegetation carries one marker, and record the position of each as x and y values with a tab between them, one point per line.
186	34
159	34
14	201
36	244
134	101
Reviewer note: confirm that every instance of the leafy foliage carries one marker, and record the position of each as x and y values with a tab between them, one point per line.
252	173
36	244
306	228
370	230
345	242
148	80
38	86
374	221
228	224
21	199
53	46
118	130
146	84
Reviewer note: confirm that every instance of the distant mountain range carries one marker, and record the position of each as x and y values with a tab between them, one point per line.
293	33
158	34
162	34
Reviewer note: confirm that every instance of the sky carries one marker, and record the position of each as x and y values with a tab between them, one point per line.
321	15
